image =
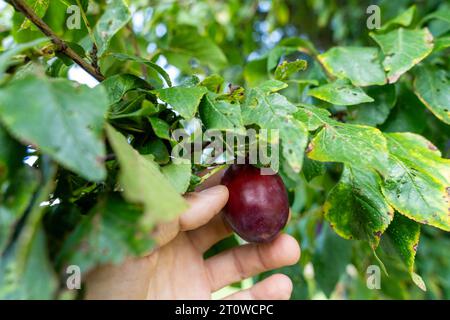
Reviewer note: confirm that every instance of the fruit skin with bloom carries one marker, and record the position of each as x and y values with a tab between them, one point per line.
258	205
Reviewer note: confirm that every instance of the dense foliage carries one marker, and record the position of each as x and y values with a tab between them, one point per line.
86	173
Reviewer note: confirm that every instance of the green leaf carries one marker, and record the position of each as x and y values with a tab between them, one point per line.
404	19
274	56
62	119
402	239
118	85
418	180
294	138
11	155
441	44
183	100
271	86
39	7
148	63
274	111
356	208
114	18
312	169
109	233
25	271
432	87
340	93
15	200
38	280
286	68
403	49
193	80
179	175
144	184
263	107
6	58
442	14
213	83
313	117
331	256
404	235
353	145
186	43
135	108
160	127
361	65
155	150
219	114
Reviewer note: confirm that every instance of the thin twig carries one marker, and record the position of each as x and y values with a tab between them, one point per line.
86	22
61	46
212	172
94	51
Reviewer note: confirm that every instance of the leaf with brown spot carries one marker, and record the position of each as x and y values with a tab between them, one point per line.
403	49
400	242
356	206
432	87
417	180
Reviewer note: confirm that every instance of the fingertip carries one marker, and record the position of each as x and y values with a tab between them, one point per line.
277	287
285	286
288	247
218	194
293	247
218	190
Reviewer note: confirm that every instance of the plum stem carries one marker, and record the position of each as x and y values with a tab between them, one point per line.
212	172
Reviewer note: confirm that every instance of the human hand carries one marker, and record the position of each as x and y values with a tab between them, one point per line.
176	268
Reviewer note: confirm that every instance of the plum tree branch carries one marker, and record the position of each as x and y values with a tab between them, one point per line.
22	6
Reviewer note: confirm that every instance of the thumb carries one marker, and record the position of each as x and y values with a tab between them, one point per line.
203	206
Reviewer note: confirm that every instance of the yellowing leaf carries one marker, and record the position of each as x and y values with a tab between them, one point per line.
432	87
286	69
402	240
361	65
356	207
351	144
340	93
418	181
403	49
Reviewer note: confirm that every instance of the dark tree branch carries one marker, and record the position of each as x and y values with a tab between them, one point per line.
61	46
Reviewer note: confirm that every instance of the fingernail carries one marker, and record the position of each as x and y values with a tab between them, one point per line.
213	190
